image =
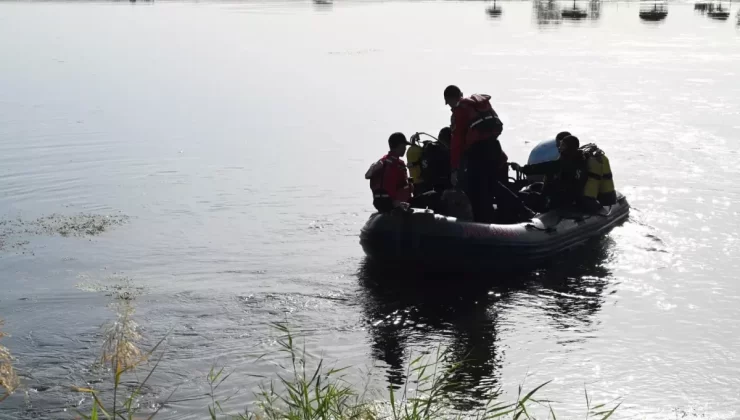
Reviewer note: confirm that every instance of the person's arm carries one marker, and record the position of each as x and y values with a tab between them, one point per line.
407	190
458	137
375	167
545	168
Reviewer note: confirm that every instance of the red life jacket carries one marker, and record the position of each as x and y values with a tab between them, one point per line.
473	119
389	179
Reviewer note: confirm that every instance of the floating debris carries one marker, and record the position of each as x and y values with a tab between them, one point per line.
77	225
120	288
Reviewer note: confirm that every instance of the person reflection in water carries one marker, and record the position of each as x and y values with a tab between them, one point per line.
403	319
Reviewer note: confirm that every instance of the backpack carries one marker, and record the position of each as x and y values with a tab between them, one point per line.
488	120
435	163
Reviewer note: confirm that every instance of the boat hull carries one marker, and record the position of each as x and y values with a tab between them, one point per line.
423	237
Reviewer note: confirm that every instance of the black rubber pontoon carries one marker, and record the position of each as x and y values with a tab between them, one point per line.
431	239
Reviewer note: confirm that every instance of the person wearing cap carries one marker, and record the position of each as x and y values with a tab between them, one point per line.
560	136
388	177
476	153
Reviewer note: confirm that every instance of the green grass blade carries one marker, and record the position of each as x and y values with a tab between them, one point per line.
532	392
100	405
609	414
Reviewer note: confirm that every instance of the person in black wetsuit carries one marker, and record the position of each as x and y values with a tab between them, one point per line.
434	164
565	182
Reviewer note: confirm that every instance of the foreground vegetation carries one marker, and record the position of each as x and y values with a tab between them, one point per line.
304	389
8	379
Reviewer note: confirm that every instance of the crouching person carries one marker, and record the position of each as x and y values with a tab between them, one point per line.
389	179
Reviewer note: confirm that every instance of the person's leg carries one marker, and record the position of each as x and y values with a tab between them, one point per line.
472	188
487	191
485	171
483	175
533	200
511	209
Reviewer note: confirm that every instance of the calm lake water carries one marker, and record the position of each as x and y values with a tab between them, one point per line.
230	139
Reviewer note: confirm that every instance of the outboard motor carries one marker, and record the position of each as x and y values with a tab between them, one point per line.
545	151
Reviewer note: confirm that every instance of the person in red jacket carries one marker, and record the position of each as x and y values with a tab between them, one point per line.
388	177
476	153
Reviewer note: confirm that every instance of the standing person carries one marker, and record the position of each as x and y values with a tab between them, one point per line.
388	177
476	157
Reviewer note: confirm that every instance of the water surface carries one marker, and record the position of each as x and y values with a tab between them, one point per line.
232	139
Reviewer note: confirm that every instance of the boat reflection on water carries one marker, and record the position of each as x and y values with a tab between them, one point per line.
407	310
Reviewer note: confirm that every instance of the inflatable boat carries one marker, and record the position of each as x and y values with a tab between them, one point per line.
433	240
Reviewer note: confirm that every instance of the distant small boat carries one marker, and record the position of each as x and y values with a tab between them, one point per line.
655	14
714	12
574	13
494	11
719	14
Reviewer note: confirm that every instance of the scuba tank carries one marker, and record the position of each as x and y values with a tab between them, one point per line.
413	157
600	182
428	162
